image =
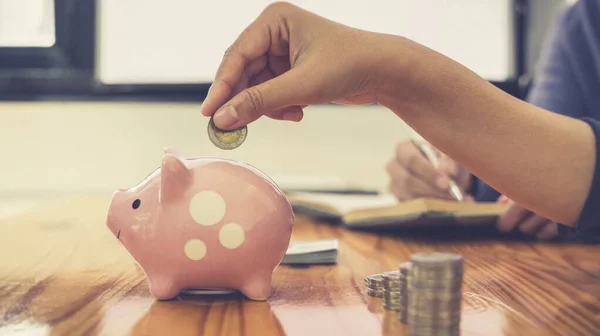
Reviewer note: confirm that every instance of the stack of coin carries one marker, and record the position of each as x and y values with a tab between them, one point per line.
404	277
374	283
391	290
435	293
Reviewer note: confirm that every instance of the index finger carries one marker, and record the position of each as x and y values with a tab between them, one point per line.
252	43
448	166
232	66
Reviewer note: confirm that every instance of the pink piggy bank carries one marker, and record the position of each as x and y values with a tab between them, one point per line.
204	222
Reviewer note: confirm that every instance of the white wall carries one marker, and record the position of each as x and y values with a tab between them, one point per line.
542	15
26	23
182	41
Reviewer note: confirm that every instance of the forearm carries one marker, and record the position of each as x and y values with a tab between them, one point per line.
541	160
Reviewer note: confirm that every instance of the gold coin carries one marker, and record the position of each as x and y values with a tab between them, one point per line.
226	139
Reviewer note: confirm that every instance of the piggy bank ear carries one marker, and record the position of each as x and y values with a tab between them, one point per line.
172	151
175	178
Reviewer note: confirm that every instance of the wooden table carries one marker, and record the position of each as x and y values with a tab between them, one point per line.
63	273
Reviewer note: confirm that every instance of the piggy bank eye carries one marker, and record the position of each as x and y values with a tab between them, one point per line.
136	204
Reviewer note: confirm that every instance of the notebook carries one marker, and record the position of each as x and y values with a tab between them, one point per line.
322	184
383	210
312	252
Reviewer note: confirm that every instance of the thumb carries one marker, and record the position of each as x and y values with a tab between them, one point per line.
286	90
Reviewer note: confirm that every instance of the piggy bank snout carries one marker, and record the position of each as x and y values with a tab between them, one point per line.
112	219
113	224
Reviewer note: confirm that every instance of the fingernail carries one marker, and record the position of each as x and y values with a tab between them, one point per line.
442	182
291	116
226	117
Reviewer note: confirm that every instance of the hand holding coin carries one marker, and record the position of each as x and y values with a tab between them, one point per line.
226	139
289	58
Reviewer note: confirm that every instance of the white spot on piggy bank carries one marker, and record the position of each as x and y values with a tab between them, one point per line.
195	249
207	207
231	235
204	222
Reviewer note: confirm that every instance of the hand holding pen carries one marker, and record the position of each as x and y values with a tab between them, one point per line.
429	153
417	170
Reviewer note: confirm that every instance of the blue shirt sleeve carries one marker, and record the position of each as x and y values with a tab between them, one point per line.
588	226
567	79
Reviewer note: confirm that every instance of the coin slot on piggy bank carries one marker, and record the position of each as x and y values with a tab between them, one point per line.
204	222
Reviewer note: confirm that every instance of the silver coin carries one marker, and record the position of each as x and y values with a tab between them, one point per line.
391	301
433	323
374	285
433	319
417	300
392	286
434	314
375	289
374	280
441	288
226	139
449	324
436	260
439	271
404	267
403	315
441	310
433	306
391	296
375	293
437	287
393	308
390	273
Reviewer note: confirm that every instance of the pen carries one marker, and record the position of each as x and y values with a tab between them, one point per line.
428	152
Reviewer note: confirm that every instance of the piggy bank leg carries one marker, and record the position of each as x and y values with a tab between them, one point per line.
258	288
163	289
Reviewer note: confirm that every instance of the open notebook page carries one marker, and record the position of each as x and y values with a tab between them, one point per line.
347	203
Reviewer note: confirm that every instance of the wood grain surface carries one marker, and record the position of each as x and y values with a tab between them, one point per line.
63	273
